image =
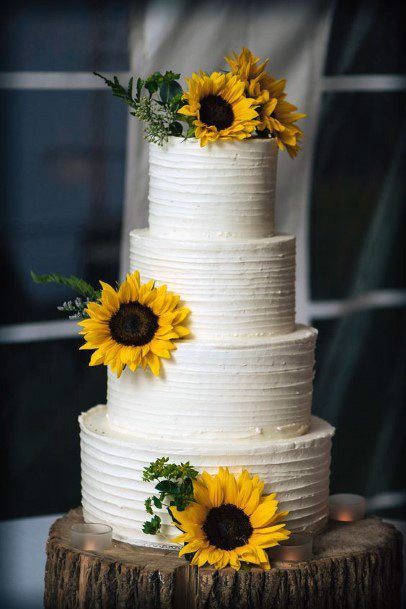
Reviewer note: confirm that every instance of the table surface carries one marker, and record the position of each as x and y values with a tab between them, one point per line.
23	560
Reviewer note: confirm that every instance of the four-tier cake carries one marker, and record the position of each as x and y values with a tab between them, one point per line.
238	390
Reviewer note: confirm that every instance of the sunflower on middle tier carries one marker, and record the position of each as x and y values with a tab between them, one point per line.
219	107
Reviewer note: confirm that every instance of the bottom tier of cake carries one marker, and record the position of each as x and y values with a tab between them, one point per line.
113	492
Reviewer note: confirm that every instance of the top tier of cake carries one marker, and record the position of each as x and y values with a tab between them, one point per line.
221	191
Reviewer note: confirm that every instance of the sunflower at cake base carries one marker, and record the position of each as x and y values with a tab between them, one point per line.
230	521
218	108
133	326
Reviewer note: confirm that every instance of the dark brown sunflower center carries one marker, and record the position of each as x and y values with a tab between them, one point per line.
133	324
214	110
227	527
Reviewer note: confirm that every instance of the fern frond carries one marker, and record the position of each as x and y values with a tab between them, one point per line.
74	283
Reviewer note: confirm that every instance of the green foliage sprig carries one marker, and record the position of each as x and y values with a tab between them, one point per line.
75	308
175	484
155	101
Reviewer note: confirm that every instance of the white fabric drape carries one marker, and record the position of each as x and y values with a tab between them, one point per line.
186	37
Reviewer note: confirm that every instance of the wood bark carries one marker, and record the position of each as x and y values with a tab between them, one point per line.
355	566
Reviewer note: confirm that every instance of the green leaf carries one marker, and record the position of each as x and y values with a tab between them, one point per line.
176	128
169	76
74	283
130	87
148	505
168	90
168	487
190	132
157	502
152	526
139	85
151	85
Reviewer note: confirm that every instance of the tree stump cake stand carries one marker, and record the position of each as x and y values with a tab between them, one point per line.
355	565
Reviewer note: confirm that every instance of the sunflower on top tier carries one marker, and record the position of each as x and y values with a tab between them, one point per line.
277	116
133	326
218	108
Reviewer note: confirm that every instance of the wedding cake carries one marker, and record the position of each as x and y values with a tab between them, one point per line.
237	391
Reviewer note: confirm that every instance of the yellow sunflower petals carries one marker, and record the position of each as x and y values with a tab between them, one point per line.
223	561
252	502
181	315
203	557
215	489
96	359
181	331
87	346
262	515
201	494
234	560
193	546
230	489
215	554
153	363
166	336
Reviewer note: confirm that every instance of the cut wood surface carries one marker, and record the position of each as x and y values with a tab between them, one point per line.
355	565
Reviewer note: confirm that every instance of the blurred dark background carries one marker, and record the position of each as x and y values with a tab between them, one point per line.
63	157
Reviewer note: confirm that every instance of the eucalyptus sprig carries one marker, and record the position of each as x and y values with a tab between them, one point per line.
175	488
75	308
155	101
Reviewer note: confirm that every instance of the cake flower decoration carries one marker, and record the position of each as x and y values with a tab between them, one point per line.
230	521
134	325
218	107
242	102
277	115
224	519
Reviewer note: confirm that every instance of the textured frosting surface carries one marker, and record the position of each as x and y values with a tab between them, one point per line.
233	287
112	464
221	391
217	191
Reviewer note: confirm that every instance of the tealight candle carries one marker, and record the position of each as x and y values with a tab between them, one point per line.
298	548
345	507
91	536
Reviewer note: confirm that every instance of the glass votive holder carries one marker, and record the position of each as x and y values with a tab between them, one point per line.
298	548
91	536
345	507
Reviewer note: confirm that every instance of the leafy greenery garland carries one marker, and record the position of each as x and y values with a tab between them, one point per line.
175	483
158	108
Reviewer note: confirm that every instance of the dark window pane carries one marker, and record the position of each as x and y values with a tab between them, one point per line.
62	188
79	36
360	387
367	37
45	386
357	202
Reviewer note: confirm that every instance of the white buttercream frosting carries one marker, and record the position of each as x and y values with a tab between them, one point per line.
233	287
112	463
221	190
221	390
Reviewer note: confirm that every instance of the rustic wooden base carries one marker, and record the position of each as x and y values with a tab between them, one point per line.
355	566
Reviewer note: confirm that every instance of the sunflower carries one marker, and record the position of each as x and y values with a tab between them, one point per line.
133	326
230	521
277	117
246	65
219	107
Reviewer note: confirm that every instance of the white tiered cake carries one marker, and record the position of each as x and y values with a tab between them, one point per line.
238	391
